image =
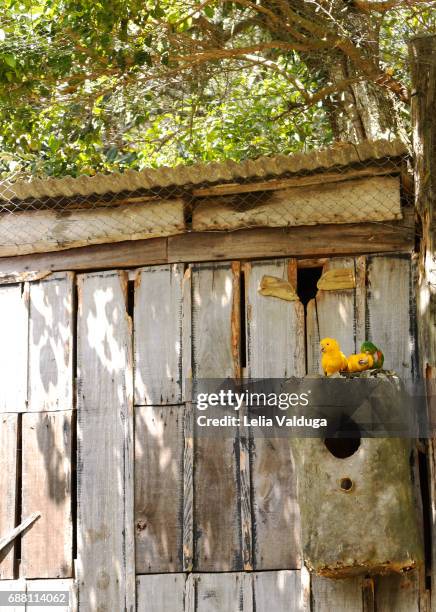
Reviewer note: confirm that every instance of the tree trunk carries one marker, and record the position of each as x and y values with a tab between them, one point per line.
423	67
364	110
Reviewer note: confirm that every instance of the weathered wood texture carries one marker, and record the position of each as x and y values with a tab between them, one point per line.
422	51
50	385
278	591
378	197
423	71
215	316
48	230
399	593
46	548
390	321
159	450
230	592
105	513
331	314
215	339
158	335
305	241
161	593
275	349
322	240
282	591
14	323
321	178
338	595
8	475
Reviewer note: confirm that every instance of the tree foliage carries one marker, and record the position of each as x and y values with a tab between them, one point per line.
100	85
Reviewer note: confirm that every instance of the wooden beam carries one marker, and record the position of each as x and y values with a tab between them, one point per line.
128	254
320	178
357	201
305	241
260	243
41	231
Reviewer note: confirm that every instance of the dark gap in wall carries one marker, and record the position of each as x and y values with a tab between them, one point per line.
187	213
75	306
307	279
424	480
18	494
131	298
243	322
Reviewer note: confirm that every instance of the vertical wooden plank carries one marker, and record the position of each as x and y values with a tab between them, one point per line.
224	593
397	592
17	587
389	318
215	329
331	314
14	328
282	591
160	593
159	449
158	335
275	327
338	595
186	335
360	310
8	487
337	314
65	589
50	385
105	514
188	489
390	325
215	320
275	349
190	593
46	548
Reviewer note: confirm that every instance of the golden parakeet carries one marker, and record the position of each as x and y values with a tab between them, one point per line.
360	362
333	359
377	355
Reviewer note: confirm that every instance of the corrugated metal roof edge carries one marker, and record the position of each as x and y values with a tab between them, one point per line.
260	168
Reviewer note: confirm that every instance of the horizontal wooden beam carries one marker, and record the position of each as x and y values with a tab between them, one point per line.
259	243
302	241
320	178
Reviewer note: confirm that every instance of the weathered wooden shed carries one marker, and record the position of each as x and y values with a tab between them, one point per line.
117	290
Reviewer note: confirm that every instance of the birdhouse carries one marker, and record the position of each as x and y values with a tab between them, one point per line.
357	494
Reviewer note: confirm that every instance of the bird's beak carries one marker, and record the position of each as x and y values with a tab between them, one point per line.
322	349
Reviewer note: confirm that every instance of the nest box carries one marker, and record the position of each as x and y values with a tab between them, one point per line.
357	496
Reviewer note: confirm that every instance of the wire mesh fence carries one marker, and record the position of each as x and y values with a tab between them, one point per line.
347	184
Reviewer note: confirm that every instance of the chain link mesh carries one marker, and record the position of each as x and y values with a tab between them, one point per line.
76	215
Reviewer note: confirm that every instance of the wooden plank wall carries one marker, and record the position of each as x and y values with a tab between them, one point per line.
280	591
350	316
36	399
275	349
213	505
105	484
8	486
219	537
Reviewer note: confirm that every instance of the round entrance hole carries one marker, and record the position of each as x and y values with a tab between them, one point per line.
346	484
345	441
342	447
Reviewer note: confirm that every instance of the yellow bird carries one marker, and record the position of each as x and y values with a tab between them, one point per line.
360	362
333	359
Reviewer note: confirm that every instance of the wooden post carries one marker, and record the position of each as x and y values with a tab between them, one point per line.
423	68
